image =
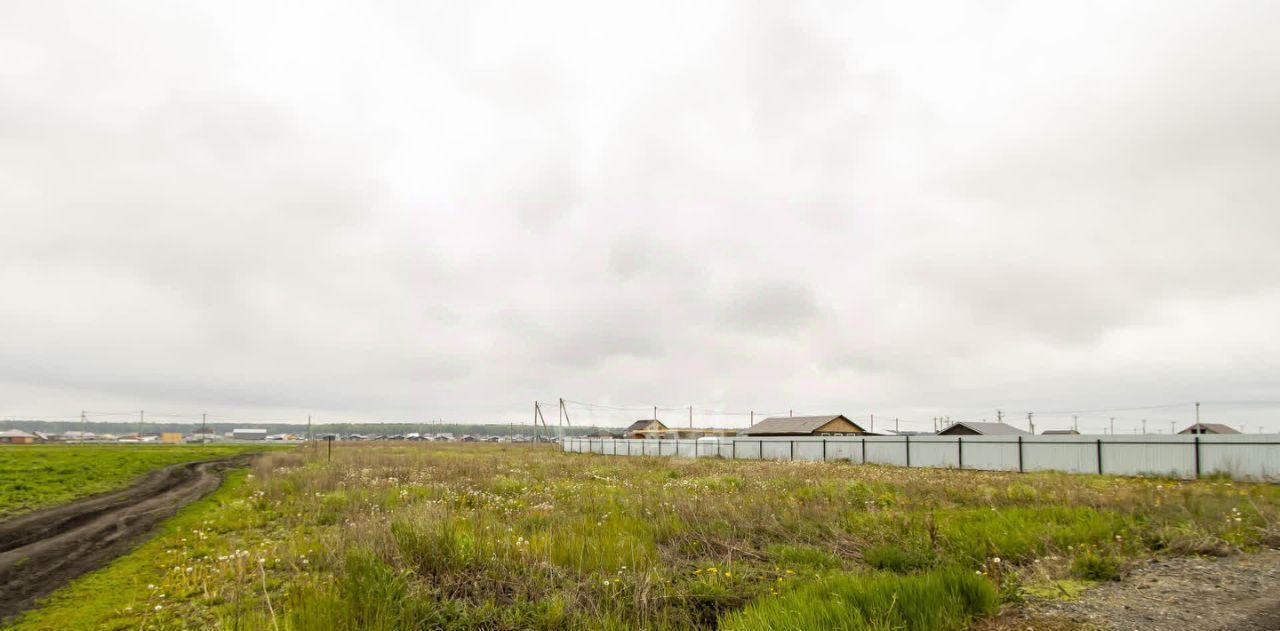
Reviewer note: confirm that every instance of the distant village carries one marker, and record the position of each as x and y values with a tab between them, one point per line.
22	437
823	425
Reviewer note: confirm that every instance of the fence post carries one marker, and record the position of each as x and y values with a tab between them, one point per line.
960	450
733	450
793	449
908	450
1197	453
760	448
330	440
1099	456
824	450
864	451
1019	454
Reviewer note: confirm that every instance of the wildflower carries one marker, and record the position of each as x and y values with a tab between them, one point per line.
996	560
159	607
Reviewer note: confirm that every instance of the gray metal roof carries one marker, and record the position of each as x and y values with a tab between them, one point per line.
793	424
1211	428
990	429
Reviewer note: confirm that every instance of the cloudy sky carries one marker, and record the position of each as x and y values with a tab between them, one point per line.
402	211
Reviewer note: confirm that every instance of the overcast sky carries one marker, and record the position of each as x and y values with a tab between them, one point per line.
403	211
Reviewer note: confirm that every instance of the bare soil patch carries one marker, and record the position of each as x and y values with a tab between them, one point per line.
1240	592
44	550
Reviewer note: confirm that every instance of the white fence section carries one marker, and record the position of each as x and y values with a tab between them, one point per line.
1241	457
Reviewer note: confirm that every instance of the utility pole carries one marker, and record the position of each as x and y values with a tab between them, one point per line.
535	422
1075	423
1197	417
1031	423
895	426
1144	426
204	424
655	412
308	428
1173	428
142	415
84	425
753	417
1113	426
999	416
691	417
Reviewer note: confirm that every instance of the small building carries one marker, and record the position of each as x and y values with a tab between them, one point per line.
1059	432
1209	428
643	427
974	428
249	434
170	437
16	437
829	425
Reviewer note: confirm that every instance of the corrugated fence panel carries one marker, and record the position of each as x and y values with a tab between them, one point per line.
933	451
1244	457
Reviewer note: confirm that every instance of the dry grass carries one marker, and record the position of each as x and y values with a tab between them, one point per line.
490	537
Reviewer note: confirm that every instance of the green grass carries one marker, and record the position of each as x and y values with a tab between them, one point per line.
408	536
38	476
944	600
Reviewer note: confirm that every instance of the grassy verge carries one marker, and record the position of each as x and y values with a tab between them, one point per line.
405	536
38	476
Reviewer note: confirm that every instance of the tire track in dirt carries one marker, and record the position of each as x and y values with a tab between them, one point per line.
44	550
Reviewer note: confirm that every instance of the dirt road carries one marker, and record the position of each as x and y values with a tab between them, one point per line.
44	550
1235	593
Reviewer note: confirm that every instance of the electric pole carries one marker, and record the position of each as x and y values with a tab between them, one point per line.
1197	417
1075	423
1144	426
1031	423
84	425
1113	426
895	426
691	417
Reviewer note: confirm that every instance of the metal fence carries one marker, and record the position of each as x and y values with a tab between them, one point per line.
1241	457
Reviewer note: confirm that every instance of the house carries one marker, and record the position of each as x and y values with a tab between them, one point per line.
16	437
249	434
170	437
1209	428
829	425
1059	432
973	428
641	428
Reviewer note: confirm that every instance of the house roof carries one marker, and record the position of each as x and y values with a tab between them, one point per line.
989	429
643	423
1058	432
1212	428
793	424
15	433
249	431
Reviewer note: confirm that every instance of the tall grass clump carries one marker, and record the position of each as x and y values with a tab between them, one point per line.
944	600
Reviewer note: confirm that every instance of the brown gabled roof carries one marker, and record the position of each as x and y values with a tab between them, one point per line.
643	423
1210	428
794	425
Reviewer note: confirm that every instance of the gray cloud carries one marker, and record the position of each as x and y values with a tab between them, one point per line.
413	211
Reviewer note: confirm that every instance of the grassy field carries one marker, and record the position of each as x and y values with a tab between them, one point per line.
403	536
37	476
